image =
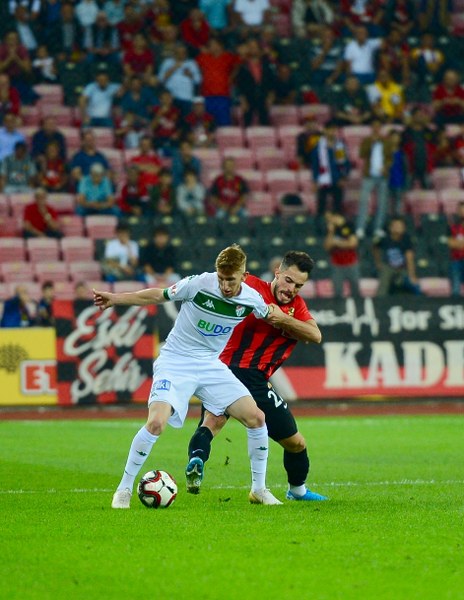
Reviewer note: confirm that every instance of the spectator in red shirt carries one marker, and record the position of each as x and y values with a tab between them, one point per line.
156	17
368	13
166	125
139	60
129	26
134	194
163	195
218	68
448	99
458	149
400	15
341	243
228	193
53	175
456	246
148	162
40	219
15	62
199	125
10	102
444	149
195	31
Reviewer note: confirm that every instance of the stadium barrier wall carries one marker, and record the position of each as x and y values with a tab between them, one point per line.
398	347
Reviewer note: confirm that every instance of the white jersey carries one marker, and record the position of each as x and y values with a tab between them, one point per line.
207	319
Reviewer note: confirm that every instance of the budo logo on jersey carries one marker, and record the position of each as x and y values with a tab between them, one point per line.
212	329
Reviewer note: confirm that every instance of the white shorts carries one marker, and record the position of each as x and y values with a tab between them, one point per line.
177	378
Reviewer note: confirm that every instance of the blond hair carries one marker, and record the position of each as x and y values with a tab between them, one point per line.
231	259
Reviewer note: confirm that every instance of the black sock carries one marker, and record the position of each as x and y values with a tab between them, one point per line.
200	444
297	466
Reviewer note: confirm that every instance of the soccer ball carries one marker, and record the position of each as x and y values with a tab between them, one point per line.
157	489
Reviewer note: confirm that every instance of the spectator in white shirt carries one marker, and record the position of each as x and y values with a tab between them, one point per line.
121	256
248	16
96	101
86	13
180	75
360	55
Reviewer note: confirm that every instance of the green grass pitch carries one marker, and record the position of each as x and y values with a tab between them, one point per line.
393	528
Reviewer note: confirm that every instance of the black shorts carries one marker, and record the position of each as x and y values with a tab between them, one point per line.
280	422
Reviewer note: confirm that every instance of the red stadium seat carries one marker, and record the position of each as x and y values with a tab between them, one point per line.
51	271
64	290
62	203
254	179
320	112
308	290
77	249
281	181
243	157
420	202
284	115
85	270
33	288
12	249
63	115
10	226
446	178
261	137
43	249
229	137
18	203
270	158
450	199
16	271
73	138
4	205
368	286
324	288
101	226
72	225
50	93
31	115
210	158
260	204
435	286
128	286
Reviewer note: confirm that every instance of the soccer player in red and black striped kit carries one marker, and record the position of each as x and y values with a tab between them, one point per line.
254	352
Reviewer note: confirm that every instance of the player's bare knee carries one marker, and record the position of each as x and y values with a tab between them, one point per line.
295	444
155	425
255	419
214	423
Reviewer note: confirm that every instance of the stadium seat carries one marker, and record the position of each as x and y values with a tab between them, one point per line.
62	203
450	198
42	249
210	158
305	181
18	203
10	226
4	205
284	115
100	226
324	288
12	249
209	175
85	270
104	137
308	290
254	179
368	286
128	286
64	290
63	115
439	287
16	271
281	181
114	157
76	249
102	286
229	137
50	93
420	202
72	225
270	158
446	178
33	288
30	115
73	138
51	271
320	112
283	24
261	137
4	292
260	204
243	157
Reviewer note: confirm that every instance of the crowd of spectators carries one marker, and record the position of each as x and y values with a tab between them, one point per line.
164	75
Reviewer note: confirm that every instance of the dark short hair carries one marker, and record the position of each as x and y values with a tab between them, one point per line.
47	285
301	260
161	230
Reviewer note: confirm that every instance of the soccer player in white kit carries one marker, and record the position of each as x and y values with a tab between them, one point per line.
188	364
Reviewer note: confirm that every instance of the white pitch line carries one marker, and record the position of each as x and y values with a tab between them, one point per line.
234	487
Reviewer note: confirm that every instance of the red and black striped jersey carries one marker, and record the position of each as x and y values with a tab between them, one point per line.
255	343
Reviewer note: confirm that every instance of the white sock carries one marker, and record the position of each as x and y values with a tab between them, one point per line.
258	450
140	449
297	490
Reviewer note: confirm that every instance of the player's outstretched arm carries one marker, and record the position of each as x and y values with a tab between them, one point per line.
105	300
303	331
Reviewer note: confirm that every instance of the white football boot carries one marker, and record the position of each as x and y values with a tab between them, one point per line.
263	496
121	498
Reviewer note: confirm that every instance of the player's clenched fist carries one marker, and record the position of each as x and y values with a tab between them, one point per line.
102	299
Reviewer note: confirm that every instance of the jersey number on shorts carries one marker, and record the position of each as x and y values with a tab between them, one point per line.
277	399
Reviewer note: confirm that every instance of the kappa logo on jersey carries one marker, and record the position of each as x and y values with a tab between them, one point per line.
239	310
209	304
212	329
163	384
